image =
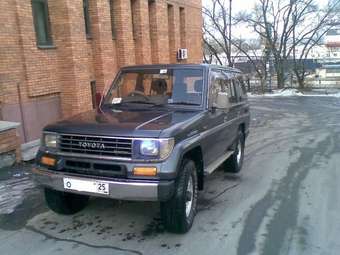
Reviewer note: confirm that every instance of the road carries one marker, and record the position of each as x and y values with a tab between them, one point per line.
285	200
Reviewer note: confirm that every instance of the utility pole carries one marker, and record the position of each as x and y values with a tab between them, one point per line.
294	43
230	61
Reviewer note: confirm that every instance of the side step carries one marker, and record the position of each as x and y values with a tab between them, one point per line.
214	165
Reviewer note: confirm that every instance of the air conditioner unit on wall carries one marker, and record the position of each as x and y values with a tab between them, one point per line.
182	54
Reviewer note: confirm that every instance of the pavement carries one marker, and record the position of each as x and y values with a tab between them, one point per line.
285	200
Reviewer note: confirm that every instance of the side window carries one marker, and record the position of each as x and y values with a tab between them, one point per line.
240	89
230	87
216	85
232	91
222	82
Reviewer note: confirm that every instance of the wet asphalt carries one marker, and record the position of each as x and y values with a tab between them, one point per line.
285	200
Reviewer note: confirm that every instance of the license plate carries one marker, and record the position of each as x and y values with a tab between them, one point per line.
91	186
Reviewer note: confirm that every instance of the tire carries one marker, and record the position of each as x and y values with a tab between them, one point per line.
235	161
179	212
65	203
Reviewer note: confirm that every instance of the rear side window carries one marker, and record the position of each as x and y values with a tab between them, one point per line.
232	91
217	85
240	89
229	87
222	82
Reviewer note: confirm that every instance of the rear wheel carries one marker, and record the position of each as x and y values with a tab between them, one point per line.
179	212
65	203
235	161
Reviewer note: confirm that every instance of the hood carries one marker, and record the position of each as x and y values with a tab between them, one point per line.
129	123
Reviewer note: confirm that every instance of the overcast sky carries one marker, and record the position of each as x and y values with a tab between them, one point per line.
245	5
237	6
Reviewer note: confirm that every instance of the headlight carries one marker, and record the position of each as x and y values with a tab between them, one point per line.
149	147
156	148
50	140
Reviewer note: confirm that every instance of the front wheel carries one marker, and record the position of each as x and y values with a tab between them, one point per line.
235	161
65	203
179	212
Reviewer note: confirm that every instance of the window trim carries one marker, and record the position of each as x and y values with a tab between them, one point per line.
49	39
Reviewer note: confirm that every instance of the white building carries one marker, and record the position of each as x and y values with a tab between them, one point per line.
329	52
328	55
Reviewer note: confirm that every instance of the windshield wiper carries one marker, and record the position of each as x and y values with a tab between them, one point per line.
138	102
184	103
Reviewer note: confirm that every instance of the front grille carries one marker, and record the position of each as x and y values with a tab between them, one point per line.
98	146
94	169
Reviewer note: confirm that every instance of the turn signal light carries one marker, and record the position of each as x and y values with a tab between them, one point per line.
145	171
48	161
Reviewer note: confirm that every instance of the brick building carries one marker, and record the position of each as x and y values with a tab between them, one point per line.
55	54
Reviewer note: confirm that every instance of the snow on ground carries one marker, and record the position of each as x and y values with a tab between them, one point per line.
295	92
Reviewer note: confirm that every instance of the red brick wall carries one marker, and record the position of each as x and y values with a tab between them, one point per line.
103	50
73	58
38	86
142	32
124	37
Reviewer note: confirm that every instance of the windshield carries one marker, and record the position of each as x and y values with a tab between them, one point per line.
157	86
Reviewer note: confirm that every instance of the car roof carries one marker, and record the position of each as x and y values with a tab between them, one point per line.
165	66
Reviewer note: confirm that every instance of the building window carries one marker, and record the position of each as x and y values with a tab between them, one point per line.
152	16
171	33
182	26
112	8
94	93
87	18
134	18
41	22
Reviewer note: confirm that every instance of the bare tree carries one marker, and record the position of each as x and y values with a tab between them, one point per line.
211	51
217	43
216	28
251	50
286	25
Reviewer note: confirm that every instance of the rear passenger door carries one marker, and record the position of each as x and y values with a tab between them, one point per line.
214	141
232	112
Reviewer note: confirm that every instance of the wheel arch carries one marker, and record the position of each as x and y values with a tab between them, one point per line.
195	154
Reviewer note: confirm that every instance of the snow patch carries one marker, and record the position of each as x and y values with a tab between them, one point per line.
293	92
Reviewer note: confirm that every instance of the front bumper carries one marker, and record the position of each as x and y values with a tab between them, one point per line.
122	189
